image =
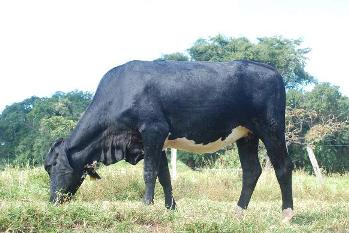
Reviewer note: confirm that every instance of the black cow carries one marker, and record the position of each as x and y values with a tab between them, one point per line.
141	107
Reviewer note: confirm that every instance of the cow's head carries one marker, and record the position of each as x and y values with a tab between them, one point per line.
67	175
65	178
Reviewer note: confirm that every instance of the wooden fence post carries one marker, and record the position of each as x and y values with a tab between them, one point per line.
314	163
174	163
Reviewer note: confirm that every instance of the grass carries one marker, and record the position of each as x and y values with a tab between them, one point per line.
205	199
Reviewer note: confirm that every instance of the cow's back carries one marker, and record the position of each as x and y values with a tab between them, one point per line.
203	101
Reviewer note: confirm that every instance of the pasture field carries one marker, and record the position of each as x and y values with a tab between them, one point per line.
205	199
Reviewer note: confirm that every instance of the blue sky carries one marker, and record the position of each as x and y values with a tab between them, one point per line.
49	46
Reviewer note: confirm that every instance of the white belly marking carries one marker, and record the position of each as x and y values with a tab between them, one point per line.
191	146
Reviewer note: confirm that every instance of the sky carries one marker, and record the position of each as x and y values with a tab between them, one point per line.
48	46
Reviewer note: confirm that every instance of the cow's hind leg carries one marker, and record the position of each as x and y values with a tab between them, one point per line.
165	181
251	168
275	144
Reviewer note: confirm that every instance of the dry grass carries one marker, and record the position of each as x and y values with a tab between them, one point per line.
205	203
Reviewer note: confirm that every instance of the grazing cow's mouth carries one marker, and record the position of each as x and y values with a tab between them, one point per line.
64	185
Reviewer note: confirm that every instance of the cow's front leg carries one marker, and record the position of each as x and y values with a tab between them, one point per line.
153	140
165	181
251	168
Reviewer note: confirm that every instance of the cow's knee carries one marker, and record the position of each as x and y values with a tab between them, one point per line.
283	166
252	175
250	178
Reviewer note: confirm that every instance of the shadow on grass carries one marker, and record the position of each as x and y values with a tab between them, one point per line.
306	218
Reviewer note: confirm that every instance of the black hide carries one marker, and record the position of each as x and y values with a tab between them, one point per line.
140	105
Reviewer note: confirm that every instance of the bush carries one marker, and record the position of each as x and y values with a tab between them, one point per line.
223	159
332	152
198	160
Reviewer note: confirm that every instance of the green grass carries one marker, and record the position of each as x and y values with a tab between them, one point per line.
205	199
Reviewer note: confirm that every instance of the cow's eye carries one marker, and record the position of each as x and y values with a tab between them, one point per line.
48	167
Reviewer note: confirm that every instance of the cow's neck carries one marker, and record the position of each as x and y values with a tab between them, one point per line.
108	147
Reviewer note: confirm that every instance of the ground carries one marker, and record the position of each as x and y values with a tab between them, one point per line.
206	200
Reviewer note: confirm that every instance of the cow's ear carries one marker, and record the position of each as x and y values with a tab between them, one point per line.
93	175
90	169
55	144
62	158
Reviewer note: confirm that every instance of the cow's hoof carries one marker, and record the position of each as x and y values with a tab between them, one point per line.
287	215
172	205
148	202
239	212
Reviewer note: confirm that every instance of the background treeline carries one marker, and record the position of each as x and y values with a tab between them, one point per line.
318	117
28	128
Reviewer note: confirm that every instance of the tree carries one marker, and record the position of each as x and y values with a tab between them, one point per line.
14	126
286	55
220	48
327	100
174	57
29	127
319	118
50	129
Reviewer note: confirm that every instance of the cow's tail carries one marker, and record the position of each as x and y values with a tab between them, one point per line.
275	107
281	101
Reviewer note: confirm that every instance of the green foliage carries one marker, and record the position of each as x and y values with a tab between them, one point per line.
29	127
228	159
50	129
225	159
294	99
331	143
319	118
14	126
327	101
198	160
286	55
175	57
220	48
